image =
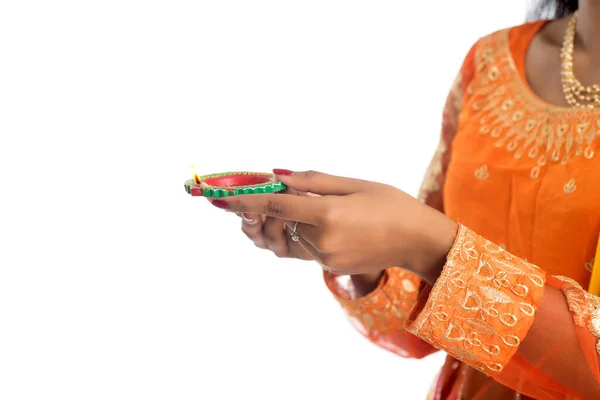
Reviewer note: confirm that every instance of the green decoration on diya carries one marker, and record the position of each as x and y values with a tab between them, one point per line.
233	184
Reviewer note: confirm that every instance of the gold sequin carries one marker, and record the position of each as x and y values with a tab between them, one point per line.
408	286
589	266
368	320
570	186
482	173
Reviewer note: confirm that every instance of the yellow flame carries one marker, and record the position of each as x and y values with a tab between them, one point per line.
195	174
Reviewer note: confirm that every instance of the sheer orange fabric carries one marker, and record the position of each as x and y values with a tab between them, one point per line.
520	176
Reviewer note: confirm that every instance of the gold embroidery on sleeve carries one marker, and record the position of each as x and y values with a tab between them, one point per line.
584	306
386	308
482	305
431	183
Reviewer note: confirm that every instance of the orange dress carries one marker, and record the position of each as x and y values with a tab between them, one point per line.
522	178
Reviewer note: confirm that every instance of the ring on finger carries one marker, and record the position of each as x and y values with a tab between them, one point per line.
295	236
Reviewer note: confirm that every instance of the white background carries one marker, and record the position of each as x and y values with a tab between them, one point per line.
114	283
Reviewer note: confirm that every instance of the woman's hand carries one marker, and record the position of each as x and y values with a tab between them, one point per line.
355	226
270	234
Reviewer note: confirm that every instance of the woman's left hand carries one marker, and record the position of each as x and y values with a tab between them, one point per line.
356	226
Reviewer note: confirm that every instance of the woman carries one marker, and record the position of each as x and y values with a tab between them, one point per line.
491	265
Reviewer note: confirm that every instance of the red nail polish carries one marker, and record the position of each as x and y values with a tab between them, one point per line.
278	171
220	203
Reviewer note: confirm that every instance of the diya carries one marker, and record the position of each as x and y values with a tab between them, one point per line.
233	184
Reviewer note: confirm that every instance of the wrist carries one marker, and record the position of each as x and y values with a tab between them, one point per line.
366	283
438	237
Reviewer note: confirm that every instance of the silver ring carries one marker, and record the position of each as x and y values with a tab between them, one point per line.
295	236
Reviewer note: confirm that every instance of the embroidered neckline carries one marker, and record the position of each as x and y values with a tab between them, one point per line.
518	120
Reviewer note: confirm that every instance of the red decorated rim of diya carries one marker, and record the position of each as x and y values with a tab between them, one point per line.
233	184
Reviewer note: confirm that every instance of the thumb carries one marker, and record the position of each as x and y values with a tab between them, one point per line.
318	182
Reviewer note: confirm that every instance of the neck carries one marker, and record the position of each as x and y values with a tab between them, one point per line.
588	25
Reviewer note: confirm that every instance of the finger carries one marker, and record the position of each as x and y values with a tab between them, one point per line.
251	228
308	248
275	237
320	183
254	233
296	250
308	233
305	246
282	206
294	192
250	219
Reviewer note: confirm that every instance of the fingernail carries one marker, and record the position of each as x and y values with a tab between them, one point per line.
247	220
220	203
278	171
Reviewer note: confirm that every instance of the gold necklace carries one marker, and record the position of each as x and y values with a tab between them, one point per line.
575	93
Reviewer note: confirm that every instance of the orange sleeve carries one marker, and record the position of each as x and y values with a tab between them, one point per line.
505	317
380	316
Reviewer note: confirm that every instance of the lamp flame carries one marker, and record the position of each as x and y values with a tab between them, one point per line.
195	174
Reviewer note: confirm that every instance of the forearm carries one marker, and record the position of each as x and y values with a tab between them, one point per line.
506	317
